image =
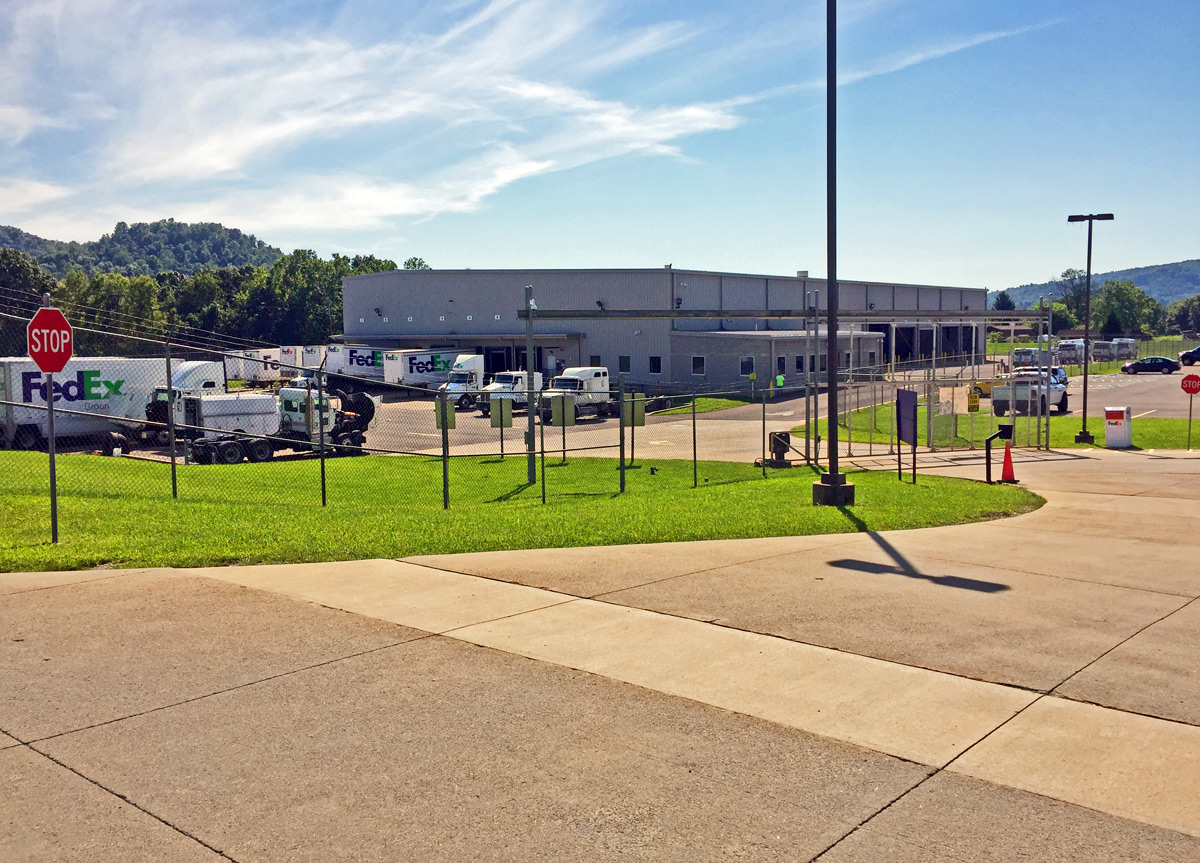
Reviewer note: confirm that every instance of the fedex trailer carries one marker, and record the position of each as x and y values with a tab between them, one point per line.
92	395
261	365
311	356
419	368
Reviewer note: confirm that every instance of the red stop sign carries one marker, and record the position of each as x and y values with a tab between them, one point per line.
1191	384
51	340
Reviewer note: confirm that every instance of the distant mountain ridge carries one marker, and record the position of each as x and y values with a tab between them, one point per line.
1165	282
146	248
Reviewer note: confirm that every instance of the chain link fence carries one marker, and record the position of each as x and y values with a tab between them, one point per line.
267	427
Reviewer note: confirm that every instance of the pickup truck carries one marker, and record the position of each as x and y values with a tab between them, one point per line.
1029	392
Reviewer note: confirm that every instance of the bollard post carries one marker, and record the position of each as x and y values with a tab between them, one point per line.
321	424
444	408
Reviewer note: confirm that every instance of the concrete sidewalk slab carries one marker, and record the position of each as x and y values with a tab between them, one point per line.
909	712
20	582
415	596
49	813
1128	765
1156	672
951	819
439	750
96	651
1061	554
591	572
959	618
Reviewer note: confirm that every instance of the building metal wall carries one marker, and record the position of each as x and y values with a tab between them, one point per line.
723	353
477	309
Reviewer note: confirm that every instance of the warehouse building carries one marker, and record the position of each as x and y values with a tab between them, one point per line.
477	311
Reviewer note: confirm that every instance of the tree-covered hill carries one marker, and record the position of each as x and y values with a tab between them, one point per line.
1164	282
146	248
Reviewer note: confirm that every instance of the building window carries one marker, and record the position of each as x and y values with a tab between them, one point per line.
870	358
594	360
800	364
846	362
697	365
781	365
623	365
656	365
824	362
747	366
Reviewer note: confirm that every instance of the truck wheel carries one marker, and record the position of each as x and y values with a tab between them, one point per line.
1042	404
465	402
202	453
230	452
1062	406
1187	361
601	411
259	450
27	437
1001	410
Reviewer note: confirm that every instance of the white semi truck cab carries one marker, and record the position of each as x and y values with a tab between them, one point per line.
465	381
588	386
509	385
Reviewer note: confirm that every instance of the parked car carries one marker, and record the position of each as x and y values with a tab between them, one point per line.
1190	356
1163	365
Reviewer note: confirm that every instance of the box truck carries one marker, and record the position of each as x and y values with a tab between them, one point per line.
96	395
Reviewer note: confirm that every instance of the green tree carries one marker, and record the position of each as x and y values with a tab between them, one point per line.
1003	302
21	273
1072	291
1061	318
1183	315
1121	306
415	263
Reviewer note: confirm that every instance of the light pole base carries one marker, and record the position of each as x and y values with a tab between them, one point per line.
1085	437
833	490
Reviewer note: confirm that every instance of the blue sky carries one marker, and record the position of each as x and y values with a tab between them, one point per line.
586	133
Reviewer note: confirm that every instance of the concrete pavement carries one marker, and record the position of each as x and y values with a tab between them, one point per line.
1024	689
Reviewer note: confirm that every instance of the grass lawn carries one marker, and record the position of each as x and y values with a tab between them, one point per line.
119	512
706	404
1148	432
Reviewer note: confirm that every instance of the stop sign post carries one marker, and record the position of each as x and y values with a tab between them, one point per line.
1190	385
51	344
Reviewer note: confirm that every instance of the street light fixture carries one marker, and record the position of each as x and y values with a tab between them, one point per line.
1084	436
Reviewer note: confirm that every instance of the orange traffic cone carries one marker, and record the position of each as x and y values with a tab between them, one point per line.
1007	475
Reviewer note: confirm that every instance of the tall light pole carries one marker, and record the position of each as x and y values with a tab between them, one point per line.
1084	436
831	489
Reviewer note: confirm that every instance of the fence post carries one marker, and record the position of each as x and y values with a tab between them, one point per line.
621	428
764	434
444	409
321	425
695	465
171	417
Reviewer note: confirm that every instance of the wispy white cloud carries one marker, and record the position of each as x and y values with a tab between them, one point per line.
275	125
18	196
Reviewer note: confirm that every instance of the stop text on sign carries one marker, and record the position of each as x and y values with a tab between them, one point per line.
1191	384
52	340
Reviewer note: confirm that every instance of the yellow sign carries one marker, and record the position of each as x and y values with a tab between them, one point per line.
972	402
753	376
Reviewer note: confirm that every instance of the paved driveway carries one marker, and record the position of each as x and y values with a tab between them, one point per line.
1023	689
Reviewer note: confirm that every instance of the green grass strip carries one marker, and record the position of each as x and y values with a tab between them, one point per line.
957	431
119	512
706	405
